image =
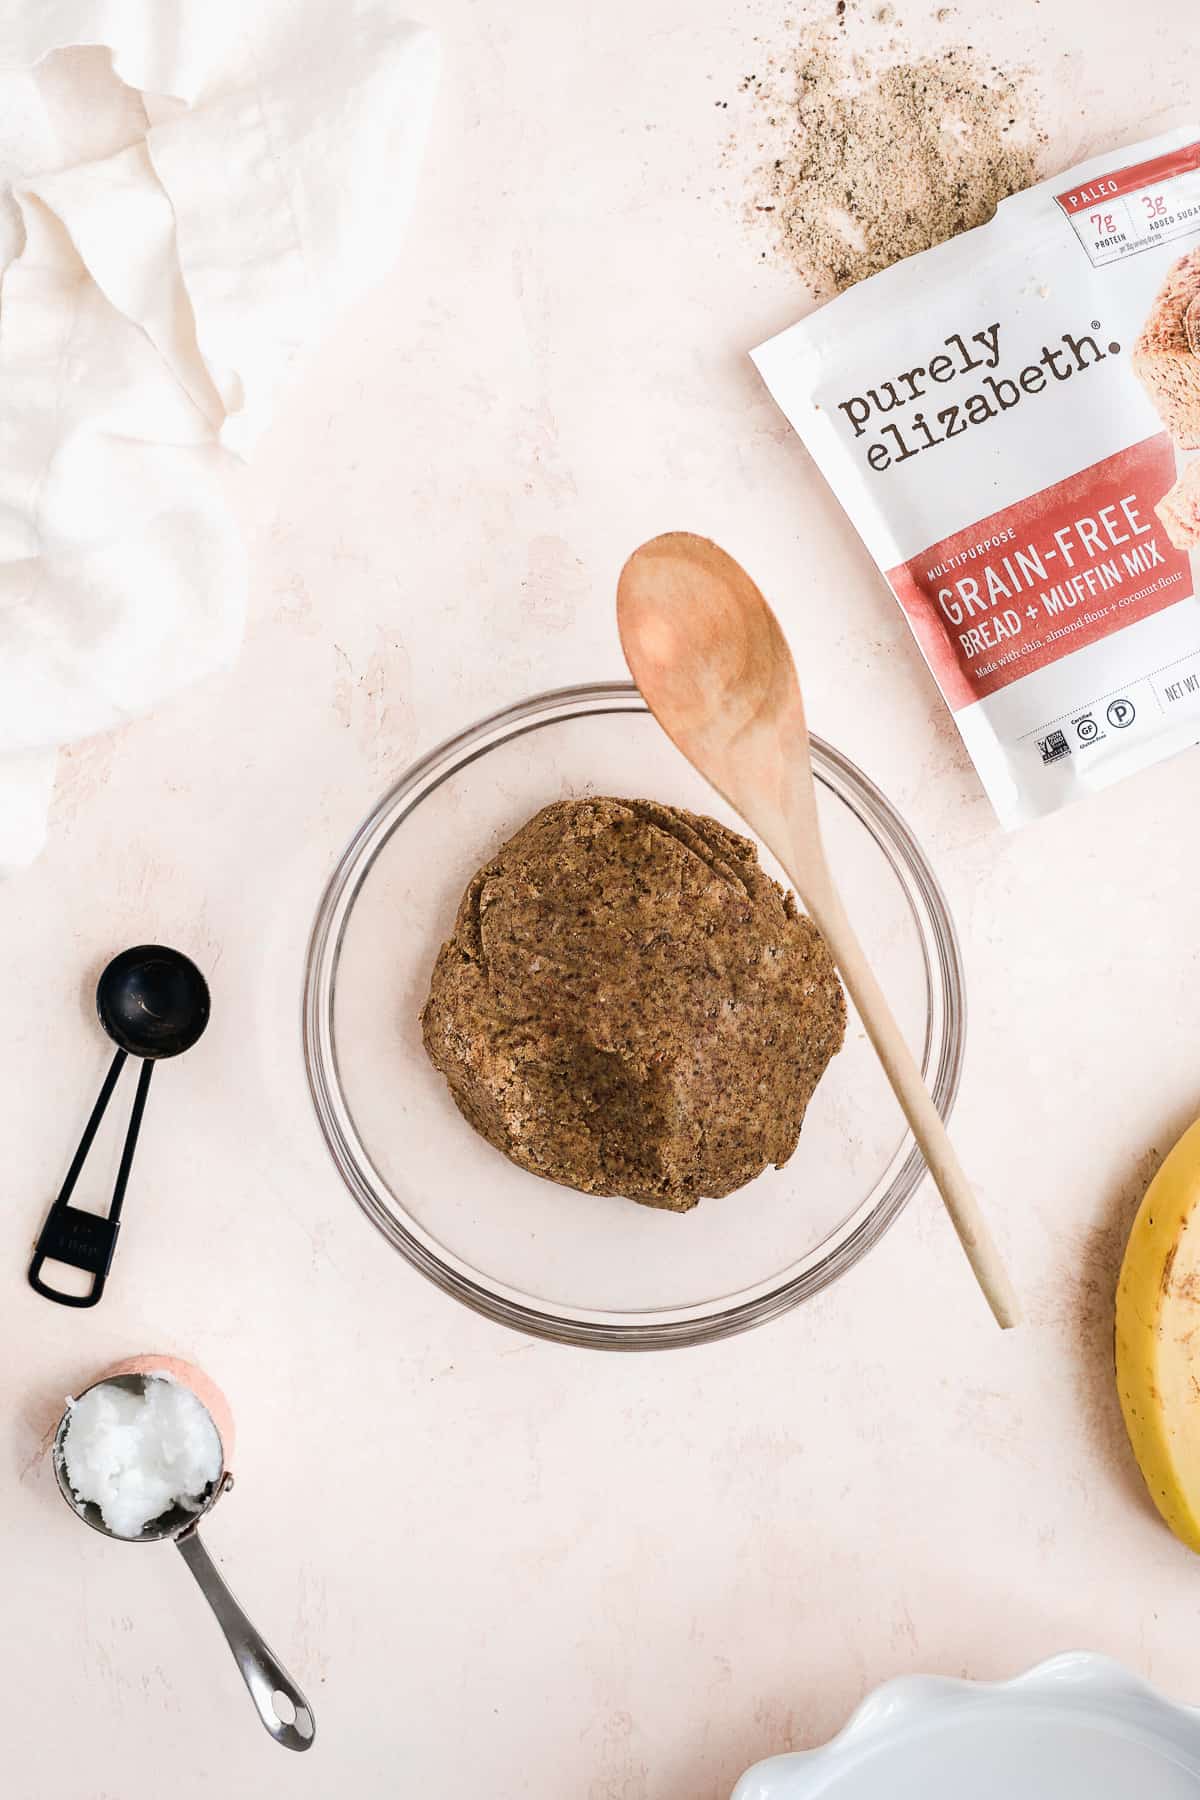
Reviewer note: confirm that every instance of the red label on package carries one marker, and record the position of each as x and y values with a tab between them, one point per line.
1136	208
1046	576
1131	180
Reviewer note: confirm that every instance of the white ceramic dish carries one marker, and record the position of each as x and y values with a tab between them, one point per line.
1076	1728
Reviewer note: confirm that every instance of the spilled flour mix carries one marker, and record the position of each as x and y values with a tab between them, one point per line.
869	158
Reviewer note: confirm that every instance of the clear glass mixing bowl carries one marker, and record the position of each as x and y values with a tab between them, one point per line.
582	1268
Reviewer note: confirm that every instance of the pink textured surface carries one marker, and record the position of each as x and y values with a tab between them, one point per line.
497	1568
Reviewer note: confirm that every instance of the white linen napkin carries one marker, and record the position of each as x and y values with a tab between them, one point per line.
190	191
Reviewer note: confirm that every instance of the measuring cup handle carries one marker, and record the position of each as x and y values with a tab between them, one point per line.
263	1673
86	1240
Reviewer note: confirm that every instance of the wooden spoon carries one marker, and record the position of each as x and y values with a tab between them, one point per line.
714	668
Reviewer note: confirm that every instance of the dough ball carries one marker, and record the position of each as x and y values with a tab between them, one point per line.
629	1005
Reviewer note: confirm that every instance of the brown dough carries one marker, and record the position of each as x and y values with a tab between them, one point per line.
630	1005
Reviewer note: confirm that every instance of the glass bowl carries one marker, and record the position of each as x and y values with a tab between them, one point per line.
584	1268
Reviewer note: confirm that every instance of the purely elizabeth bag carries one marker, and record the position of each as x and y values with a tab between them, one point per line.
1012	422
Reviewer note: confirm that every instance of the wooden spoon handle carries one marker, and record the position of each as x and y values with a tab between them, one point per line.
901	1069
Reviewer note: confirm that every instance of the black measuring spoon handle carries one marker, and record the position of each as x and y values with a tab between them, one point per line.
86	1240
131	1138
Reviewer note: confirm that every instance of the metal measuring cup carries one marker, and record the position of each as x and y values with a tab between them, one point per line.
277	1699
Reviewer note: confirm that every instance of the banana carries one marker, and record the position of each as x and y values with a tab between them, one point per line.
1158	1338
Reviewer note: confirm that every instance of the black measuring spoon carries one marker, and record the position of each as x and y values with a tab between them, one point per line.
153	1002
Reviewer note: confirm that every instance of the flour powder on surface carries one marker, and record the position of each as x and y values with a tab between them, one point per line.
869	157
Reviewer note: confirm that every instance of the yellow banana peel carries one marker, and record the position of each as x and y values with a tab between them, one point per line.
1158	1338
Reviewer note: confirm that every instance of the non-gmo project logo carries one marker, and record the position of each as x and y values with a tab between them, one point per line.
1054	747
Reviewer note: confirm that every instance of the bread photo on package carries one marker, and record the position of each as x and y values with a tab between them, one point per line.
1167	359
